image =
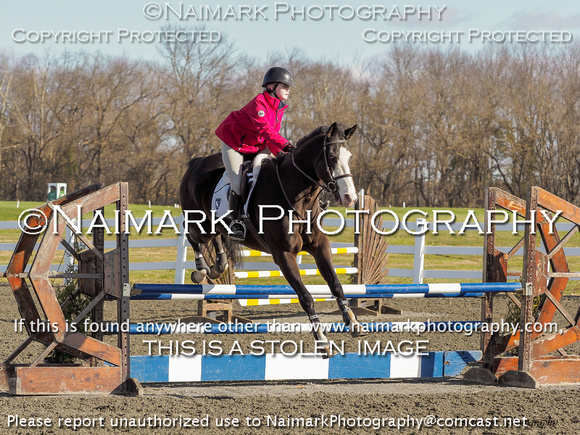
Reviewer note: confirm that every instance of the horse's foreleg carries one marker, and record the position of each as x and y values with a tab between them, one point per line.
323	257
287	263
221	261
201	267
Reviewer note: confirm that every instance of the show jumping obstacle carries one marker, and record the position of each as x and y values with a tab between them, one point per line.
104	277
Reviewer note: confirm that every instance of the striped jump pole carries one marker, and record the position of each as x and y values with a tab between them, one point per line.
334	251
303	272
275	301
204	291
291	298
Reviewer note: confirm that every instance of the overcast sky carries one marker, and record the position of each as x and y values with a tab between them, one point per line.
340	30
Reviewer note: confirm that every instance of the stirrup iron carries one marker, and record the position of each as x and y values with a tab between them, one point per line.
238	230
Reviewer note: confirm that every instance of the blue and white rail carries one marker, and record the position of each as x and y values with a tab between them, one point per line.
203	291
201	368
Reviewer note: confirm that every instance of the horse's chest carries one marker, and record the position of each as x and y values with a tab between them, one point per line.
307	238
300	235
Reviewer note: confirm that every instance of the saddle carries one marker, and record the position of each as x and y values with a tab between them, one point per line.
221	195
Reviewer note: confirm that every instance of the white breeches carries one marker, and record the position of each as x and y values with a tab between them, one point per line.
233	161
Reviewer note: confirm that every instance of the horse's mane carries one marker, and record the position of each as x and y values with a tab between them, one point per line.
316	132
193	161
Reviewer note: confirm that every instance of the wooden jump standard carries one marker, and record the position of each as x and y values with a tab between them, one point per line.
545	276
102	276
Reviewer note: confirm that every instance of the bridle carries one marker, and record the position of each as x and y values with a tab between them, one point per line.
330	186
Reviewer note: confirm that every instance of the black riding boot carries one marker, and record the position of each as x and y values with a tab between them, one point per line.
237	227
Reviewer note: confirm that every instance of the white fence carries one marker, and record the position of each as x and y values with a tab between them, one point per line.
416	252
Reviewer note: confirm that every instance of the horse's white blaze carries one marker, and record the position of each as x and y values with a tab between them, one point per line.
345	185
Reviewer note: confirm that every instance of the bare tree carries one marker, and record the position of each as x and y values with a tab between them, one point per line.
196	84
6	75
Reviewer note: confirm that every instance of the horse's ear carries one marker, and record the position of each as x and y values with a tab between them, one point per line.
349	132
331	131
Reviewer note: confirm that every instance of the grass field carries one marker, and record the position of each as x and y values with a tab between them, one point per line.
10	212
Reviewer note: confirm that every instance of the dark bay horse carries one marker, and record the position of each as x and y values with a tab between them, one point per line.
293	182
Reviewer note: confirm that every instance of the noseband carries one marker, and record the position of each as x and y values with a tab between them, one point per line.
330	186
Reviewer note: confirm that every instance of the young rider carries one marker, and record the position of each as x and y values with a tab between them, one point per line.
254	130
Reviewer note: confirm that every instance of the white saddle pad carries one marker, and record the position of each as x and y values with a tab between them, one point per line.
219	199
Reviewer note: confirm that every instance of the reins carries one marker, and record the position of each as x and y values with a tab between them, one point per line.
331	186
286	195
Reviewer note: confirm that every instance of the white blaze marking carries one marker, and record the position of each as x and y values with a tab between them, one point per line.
345	185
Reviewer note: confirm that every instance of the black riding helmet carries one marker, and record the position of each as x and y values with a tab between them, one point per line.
277	74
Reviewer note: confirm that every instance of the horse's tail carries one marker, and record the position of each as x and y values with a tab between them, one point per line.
234	250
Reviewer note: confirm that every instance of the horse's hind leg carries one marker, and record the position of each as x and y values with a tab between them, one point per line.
221	261
287	263
202	269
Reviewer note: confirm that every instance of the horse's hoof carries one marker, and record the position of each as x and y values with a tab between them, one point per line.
322	343
214	272
348	316
198	276
356	330
326	351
